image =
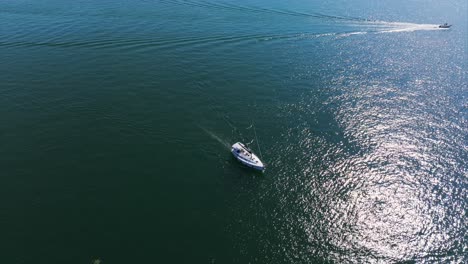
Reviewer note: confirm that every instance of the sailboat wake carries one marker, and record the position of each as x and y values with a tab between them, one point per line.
216	137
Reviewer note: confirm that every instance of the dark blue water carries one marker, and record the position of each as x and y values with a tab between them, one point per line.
118	116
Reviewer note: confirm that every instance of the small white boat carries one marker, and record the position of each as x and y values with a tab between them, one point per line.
246	156
445	25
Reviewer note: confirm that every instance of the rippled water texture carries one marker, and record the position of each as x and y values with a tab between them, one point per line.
118	116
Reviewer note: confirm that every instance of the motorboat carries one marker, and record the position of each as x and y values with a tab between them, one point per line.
246	156
445	25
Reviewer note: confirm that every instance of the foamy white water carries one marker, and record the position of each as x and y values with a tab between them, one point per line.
391	27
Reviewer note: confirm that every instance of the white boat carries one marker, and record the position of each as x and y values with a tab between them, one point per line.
246	156
445	25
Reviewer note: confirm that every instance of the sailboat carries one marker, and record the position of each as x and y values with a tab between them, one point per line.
246	156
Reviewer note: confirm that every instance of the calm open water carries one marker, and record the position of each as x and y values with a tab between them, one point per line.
117	117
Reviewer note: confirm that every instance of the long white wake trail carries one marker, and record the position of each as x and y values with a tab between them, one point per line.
393	27
377	27
216	137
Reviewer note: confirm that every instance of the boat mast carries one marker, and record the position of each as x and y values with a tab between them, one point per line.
256	139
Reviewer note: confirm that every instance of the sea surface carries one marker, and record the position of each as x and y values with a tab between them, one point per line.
117	117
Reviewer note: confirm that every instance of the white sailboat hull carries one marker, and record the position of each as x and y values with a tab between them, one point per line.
246	156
